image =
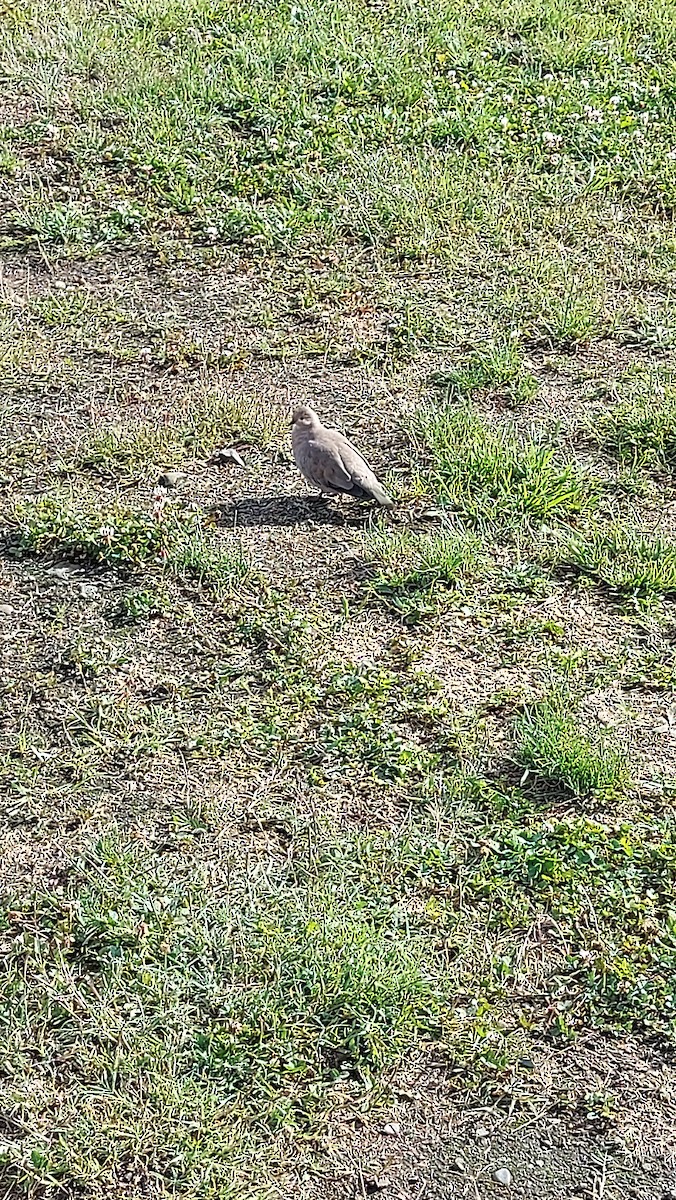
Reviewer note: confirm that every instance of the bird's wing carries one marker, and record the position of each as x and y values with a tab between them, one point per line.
323	464
362	476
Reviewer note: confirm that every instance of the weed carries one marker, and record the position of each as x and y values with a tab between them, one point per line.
216	565
75	307
415	328
275	126
369	719
112	534
275	994
569	316
616	883
218	418
141	603
496	474
141	448
198	429
315	875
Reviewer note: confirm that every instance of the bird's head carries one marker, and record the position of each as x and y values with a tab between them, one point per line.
304	416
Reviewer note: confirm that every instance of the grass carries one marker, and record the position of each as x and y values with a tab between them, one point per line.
204	1028
263	859
617	877
264	1001
497	369
144	447
275	995
171	536
494	474
257	124
555	747
641	430
207	422
625	560
414	570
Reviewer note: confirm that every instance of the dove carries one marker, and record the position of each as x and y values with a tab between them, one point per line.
331	463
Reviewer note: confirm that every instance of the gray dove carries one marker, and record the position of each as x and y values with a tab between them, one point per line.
331	463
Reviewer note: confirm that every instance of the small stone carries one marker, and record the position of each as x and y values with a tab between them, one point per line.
373	1184
228	454
6	610
482	1132
392	1129
459	1165
171	479
88	591
503	1176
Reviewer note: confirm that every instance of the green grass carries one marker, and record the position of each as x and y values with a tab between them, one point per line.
641	430
203	424
497	369
254	1004
206	1016
203	1027
553	744
171	536
143	448
273	123
609	888
412	571
198	1029
496	474
628	562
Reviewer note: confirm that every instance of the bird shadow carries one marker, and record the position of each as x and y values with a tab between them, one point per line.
278	511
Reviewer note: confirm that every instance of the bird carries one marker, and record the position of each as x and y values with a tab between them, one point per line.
331	463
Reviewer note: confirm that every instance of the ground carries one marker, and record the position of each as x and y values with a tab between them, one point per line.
337	855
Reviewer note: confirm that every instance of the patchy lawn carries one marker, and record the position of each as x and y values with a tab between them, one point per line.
338	849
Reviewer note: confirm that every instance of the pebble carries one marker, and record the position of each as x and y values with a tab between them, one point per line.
482	1132
458	1165
62	572
6	610
392	1129
227	455
88	591
503	1176
171	479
